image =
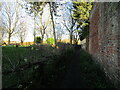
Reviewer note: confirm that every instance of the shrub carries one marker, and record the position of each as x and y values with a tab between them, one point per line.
38	40
50	41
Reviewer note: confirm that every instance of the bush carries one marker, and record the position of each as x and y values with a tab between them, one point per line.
50	41
38	40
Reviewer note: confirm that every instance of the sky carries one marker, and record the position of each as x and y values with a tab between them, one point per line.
30	25
28	20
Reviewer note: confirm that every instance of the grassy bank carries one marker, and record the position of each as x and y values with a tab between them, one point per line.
56	63
14	57
93	76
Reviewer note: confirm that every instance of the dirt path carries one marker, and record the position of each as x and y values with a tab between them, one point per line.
82	72
73	78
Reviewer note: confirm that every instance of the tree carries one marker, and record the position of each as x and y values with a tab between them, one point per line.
42	24
3	32
38	40
38	7
35	8
10	18
52	10
76	36
22	30
70	22
2	29
59	35
81	13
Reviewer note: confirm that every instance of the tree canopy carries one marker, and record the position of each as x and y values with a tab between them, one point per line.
81	13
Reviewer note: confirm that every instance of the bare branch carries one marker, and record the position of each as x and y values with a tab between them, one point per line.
66	26
11	18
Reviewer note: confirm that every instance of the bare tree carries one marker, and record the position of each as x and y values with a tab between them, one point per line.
69	22
34	8
2	31
43	24
52	11
59	31
10	18
22	31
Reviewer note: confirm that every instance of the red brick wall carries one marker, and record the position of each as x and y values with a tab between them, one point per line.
104	38
94	31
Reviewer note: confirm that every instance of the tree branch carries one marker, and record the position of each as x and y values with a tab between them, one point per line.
66	27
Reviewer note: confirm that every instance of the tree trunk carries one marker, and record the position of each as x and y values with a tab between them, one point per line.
75	41
34	38
43	35
21	42
54	34
9	36
42	41
34	29
70	37
42	38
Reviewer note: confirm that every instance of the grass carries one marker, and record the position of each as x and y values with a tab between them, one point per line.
94	76
12	58
55	67
17	56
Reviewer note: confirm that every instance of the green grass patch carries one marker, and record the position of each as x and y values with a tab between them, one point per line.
13	57
94	76
16	56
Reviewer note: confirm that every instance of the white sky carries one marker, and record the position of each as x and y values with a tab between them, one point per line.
30	22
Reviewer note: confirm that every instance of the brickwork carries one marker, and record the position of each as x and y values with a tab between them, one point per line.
104	38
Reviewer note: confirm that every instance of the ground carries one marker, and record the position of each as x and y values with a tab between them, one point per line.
73	78
65	68
83	73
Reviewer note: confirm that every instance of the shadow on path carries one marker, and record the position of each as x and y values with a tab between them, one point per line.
83	72
73	78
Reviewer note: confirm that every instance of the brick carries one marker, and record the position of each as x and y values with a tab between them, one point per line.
104	39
